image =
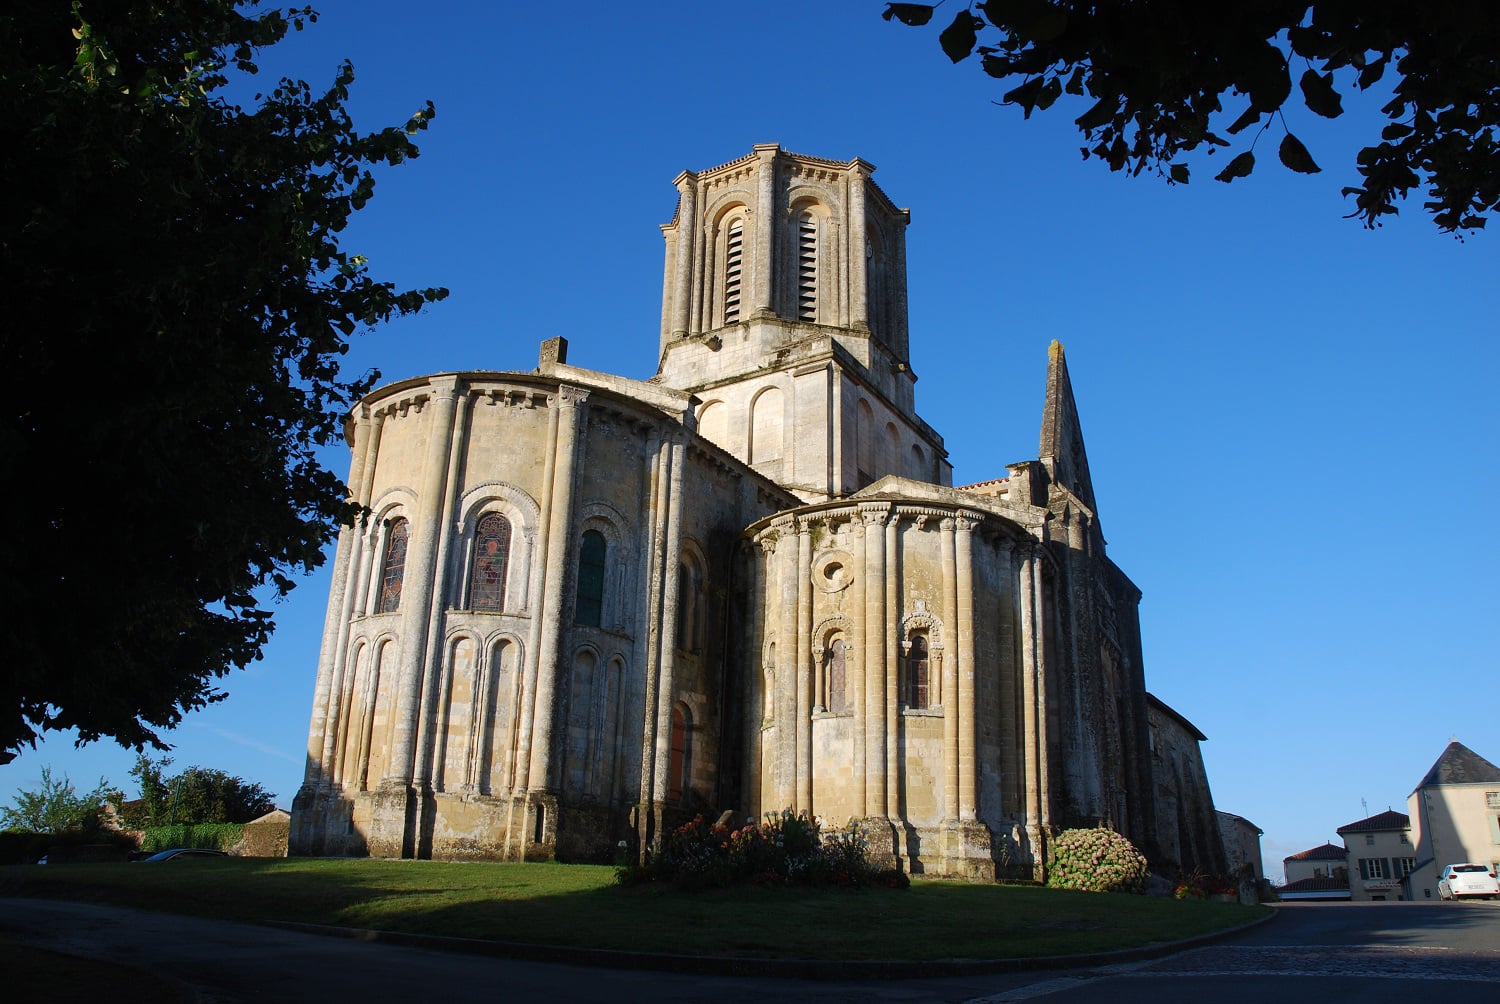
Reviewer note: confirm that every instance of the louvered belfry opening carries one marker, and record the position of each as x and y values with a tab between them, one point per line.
733	258
807	267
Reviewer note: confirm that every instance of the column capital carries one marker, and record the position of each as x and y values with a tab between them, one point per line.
571	396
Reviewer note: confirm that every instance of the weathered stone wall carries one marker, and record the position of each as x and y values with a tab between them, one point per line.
1187	831
526	723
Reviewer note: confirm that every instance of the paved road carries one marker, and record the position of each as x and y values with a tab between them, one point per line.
1373	954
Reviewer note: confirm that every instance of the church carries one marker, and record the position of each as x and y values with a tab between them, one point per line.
581	608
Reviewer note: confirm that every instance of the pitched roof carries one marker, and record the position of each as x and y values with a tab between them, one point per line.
1460	765
1314	885
1325	852
1387	820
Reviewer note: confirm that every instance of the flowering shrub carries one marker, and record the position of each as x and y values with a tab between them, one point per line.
1097	860
787	848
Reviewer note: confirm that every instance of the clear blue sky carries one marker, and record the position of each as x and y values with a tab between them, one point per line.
1291	420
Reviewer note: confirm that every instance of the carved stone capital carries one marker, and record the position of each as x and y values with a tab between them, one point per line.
571	396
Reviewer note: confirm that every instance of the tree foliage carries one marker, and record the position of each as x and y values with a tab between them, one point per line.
1160	80
178	303
55	807
196	796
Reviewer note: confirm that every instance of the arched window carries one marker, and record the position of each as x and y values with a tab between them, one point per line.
767	424
807	267
713	423
734	254
591	555
678	766
393	568
918	693
918	471
834	667
491	556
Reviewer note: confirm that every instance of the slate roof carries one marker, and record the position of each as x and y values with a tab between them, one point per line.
1387	820
1327	852
1460	765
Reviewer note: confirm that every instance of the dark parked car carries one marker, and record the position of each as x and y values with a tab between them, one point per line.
181	853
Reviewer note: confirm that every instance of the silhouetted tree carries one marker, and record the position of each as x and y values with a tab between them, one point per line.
1163	78
177	301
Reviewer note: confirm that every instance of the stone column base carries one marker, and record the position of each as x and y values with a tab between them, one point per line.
967	851
1036	840
392	808
540	835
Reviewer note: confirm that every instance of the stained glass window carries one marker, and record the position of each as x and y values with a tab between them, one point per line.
491	556
394	567
591	554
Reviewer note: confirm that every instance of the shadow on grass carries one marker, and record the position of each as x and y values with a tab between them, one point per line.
580	906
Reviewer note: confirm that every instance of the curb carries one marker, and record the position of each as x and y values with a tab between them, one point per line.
801	969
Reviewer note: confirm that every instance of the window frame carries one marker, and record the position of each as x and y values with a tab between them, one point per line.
393	552
590	589
471	577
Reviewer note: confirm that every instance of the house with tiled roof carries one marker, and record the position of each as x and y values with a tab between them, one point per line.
1379	854
1455	815
1320	872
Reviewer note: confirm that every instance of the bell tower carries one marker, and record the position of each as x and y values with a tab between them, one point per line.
784	310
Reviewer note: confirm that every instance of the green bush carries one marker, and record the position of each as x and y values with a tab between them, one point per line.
788	848
209	836
1096	860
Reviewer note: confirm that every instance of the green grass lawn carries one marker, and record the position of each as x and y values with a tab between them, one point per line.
580	905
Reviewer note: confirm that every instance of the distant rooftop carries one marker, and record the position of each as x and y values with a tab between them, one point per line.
1325	852
1315	888
1387	820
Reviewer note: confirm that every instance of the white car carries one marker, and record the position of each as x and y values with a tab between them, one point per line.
1468	880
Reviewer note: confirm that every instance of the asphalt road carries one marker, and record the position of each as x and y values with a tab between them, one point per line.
1322	954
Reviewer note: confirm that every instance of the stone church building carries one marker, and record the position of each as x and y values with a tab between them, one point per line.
583	608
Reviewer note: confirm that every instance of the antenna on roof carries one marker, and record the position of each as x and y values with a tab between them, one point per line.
1365	806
